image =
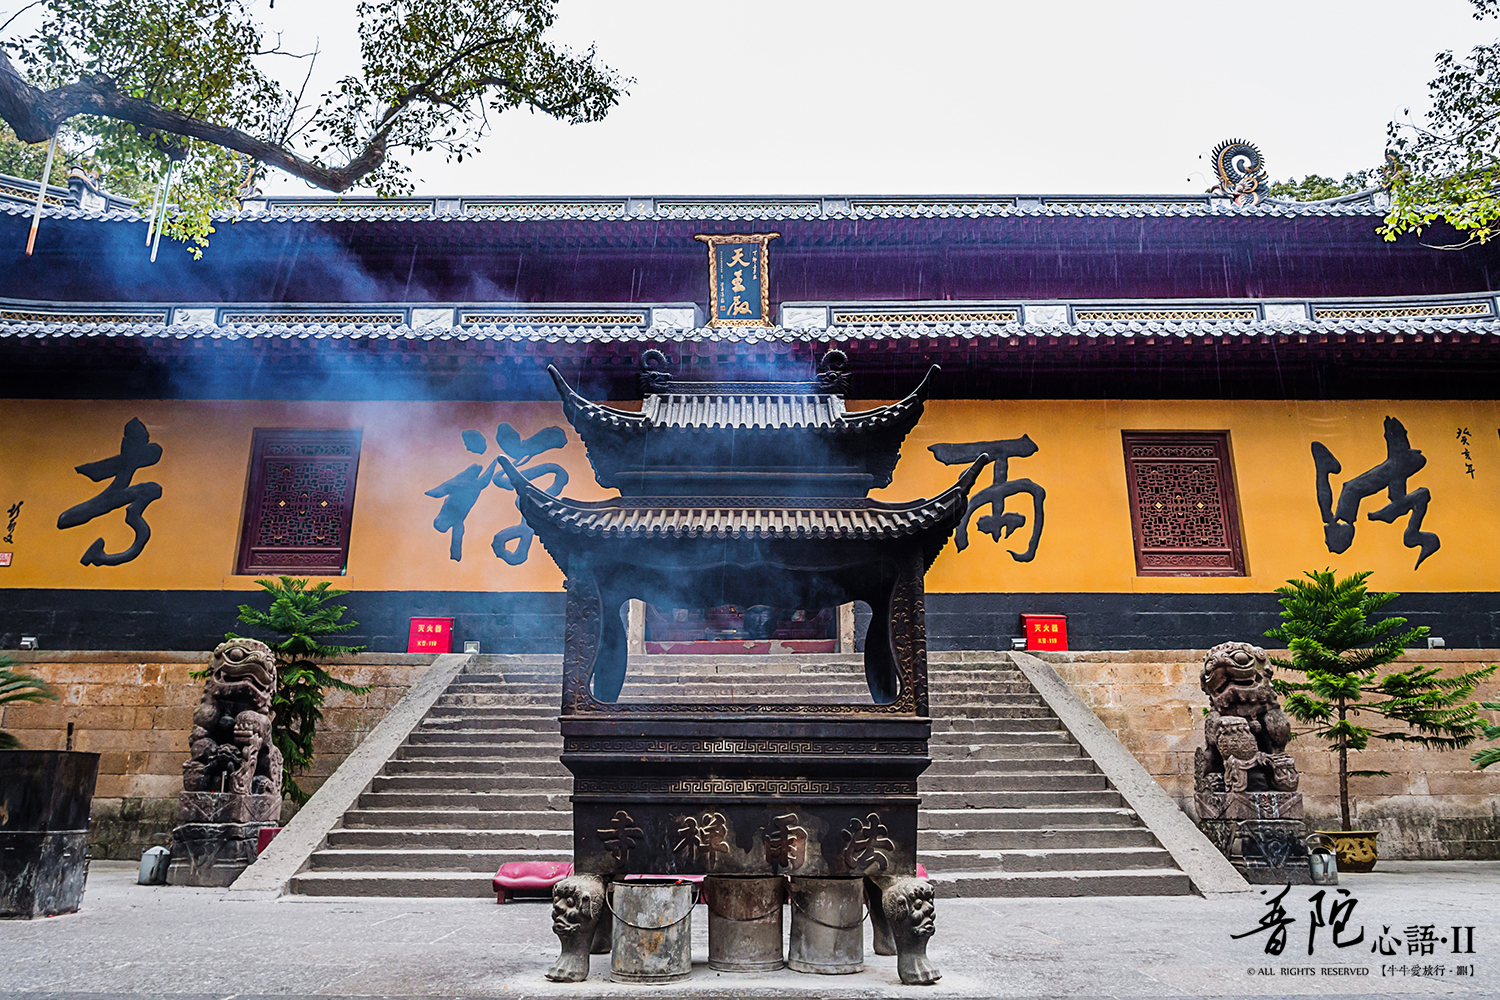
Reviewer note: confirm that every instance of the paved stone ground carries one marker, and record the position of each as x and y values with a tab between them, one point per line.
146	941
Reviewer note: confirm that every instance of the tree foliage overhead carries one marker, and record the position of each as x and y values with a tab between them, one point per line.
1316	187
136	83
1448	162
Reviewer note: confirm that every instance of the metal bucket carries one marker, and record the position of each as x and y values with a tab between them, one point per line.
153	869
1321	859
827	926
744	922
653	930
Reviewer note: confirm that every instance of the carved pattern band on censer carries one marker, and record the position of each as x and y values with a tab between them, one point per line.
741	786
582	744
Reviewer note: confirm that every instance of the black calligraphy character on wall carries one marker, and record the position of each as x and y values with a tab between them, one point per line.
459	496
1402	461
136	453
14	514
461	493
999	521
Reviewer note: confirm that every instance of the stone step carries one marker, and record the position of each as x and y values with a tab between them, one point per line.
991	731
457	819
511	767
485	802
529	784
527	712
379	838
1021	818
409	859
944	781
443	744
1004	751
447	885
1129	882
1011	765
1033	734
1037	839
1046	860
992	798
486	730
960	724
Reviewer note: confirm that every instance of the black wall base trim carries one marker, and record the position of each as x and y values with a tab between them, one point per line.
1179	621
197	619
526	622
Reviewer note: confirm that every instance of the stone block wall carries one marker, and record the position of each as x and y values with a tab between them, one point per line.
1433	806
135	709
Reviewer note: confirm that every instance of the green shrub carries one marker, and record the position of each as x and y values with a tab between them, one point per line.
302	618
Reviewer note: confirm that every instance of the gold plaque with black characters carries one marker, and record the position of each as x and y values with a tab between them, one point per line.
739	279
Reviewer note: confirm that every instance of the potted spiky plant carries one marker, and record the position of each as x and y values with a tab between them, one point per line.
16	688
1340	645
45	797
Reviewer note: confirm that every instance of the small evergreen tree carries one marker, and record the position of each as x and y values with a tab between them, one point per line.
1489	755
16	688
1336	642
302	618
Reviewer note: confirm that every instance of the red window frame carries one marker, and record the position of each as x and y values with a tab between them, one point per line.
322	452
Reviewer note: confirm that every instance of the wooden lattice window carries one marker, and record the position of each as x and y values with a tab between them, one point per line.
1182	507
299	502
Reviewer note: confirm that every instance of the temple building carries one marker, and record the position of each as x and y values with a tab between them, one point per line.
1187	401
1104	429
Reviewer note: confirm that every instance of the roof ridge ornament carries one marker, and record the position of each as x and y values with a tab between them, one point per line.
1241	171
655	375
833	372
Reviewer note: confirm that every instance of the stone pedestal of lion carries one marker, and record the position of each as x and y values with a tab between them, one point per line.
1245	781
231	783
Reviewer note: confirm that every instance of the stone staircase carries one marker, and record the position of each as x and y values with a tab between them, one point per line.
1010	806
478	783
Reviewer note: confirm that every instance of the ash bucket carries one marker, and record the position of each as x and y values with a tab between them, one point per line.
827	926
744	922
652	939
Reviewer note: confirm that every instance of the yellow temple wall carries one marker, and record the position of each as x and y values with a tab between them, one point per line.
1086	545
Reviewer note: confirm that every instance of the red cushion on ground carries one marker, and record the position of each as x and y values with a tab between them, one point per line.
531	874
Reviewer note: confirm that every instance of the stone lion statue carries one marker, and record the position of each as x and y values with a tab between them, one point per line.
1246	732
230	747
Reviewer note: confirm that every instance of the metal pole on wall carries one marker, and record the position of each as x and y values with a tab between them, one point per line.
41	195
162	220
155	208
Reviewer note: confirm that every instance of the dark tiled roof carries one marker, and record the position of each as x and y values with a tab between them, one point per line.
758	335
690	517
742	410
620	209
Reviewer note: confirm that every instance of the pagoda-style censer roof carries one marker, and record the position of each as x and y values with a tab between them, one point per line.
745	493
743	438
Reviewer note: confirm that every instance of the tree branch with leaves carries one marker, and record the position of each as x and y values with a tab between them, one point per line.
1446	164
137	83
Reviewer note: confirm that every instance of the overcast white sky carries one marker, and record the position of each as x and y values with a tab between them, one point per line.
948	96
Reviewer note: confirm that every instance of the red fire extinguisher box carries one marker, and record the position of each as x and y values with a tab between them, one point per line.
430	635
1045	633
